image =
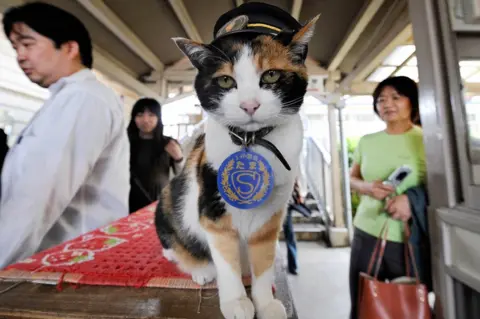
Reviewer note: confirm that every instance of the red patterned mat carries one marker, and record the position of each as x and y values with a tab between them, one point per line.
124	253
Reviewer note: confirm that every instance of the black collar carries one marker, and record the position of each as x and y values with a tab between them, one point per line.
241	137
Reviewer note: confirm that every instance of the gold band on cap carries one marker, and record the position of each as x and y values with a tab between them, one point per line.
264	26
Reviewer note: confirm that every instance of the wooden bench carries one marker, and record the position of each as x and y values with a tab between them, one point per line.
28	300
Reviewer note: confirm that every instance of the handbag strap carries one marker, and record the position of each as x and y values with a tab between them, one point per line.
409	251
380	251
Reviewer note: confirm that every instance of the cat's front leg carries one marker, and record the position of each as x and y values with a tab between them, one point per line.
262	248
224	244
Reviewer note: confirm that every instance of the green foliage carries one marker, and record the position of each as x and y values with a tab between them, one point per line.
355	200
352	143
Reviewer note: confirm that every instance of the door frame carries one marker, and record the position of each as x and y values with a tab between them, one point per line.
449	173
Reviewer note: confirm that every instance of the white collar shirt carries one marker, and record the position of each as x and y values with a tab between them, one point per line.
68	172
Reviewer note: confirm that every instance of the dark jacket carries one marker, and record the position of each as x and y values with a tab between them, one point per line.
3	148
420	237
149	171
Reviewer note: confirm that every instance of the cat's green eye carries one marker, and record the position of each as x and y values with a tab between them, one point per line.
225	82
271	76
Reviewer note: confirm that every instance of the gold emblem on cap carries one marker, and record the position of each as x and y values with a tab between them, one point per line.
237	23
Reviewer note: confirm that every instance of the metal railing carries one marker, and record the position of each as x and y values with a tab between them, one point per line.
188	140
319	177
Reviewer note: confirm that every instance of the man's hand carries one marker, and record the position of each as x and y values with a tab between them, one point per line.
399	208
174	150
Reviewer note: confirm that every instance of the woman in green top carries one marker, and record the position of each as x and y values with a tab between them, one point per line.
376	157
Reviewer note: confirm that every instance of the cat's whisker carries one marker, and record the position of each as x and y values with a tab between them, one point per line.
293	101
222	120
281	116
287	112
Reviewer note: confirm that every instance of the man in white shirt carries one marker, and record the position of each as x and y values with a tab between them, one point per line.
68	172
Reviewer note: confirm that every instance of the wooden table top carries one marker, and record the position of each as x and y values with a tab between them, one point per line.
28	300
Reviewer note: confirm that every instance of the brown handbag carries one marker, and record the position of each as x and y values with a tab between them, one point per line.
398	299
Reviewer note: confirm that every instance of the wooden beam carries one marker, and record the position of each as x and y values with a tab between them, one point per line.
118	73
400	39
184	17
97	51
109	19
181	65
296	8
399	35
355	33
187	76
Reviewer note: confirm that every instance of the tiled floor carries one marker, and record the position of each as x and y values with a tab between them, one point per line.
320	290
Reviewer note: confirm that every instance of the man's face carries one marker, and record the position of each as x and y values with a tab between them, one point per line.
37	55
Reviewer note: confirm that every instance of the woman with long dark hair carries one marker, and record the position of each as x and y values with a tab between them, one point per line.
152	154
396	102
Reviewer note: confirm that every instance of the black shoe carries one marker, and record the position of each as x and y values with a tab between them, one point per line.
293	272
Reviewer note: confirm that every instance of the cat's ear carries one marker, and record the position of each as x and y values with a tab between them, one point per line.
303	36
285	37
196	52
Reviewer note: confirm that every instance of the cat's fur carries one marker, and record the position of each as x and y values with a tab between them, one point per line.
202	233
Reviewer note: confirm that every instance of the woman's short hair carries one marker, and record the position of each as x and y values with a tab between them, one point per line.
405	87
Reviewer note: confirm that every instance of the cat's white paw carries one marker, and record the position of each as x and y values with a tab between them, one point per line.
203	279
274	310
169	254
204	275
241	308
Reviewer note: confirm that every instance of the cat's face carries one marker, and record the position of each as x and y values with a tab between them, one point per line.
251	81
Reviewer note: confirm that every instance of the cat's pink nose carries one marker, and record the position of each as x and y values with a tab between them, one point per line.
250	106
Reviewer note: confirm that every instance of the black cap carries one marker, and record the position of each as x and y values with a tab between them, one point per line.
255	17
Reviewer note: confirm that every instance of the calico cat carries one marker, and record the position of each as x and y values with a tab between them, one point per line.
245	83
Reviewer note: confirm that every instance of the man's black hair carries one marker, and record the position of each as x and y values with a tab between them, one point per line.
405	87
54	23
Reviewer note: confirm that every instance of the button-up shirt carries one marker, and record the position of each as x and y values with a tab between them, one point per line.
68	172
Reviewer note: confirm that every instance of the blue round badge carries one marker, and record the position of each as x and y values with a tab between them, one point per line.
245	179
